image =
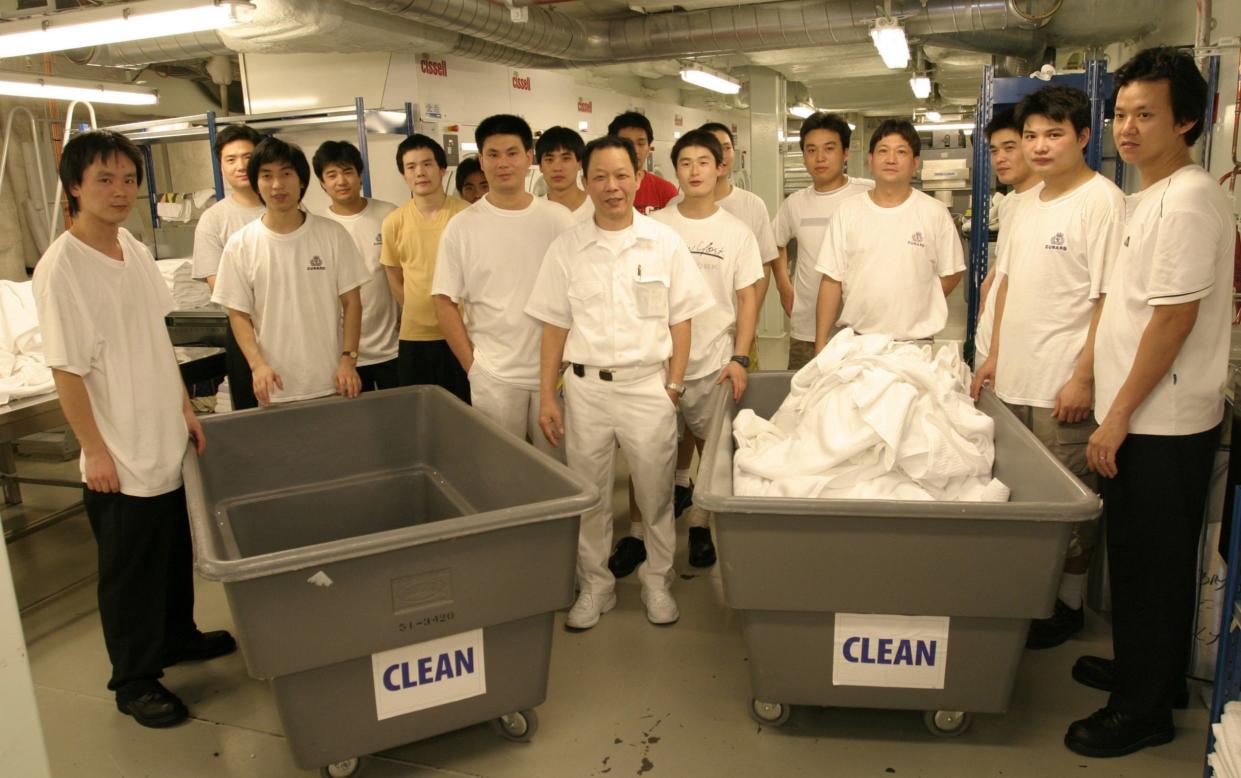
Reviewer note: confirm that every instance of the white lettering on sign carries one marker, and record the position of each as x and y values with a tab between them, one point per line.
434	67
430	674
909	652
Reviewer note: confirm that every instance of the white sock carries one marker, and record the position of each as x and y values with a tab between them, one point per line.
1071	586
636	530
682	477
698	517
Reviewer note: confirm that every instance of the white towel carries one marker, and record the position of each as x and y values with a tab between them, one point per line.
187	291
23	371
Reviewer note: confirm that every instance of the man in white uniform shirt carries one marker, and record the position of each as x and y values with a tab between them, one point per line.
1161	363
804	216
488	260
1064	239
559	154
616	295
724	248
338	165
1011	169
287	280
892	255
233	147
101	304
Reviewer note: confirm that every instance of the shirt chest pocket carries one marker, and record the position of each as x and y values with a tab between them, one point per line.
650	297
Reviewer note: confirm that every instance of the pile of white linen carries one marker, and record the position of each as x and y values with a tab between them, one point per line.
1225	760
871	418
23	371
187	292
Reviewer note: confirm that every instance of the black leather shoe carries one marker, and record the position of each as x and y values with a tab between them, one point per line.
630	552
151	704
1099	673
201	647
701	547
682	498
1064	623
1107	733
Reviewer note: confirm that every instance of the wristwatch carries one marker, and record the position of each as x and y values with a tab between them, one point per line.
351	354
742	360
678	388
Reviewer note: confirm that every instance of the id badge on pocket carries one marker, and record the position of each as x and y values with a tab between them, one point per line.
651	298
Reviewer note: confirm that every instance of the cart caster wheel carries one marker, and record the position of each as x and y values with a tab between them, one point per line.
345	768
769	714
518	727
947	723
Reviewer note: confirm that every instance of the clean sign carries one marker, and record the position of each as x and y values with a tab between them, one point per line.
909	652
426	675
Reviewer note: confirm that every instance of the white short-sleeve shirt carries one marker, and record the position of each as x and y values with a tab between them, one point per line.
1055	260
986	322
805	216
726	253
380	314
1177	248
290	285
889	262
752	211
215	227
104	320
488	260
618	292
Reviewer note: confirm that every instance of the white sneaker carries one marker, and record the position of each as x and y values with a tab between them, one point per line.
589	607
660	607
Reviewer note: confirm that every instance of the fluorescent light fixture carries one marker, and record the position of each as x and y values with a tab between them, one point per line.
55	88
708	78
934	116
921	86
802	110
967	127
889	38
116	23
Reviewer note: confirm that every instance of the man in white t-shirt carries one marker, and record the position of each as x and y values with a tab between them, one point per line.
101	304
804	217
287	281
1161	364
1064	239
1003	136
233	147
338	165
488	260
616	295
726	252
892	255
559	154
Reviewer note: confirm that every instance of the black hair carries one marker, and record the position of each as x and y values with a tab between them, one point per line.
632	119
609	142
236	132
699	137
273	149
718	127
504	124
822	120
420	141
88	147
337	152
1058	103
468	167
1005	119
556	139
901	127
1186	86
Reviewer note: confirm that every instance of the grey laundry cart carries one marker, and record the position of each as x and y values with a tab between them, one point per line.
795	569
392	563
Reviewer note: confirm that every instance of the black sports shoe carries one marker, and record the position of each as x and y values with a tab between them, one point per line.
201	647
1107	733
1099	673
701	548
629	553
151	704
1064	623
682	498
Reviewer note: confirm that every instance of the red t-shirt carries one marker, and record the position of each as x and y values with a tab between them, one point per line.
653	194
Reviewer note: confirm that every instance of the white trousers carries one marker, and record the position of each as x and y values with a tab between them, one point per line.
696	404
512	406
640	417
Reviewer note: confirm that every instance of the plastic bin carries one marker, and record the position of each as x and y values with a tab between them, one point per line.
344	529
789	566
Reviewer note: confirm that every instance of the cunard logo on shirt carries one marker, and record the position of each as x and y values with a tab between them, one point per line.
1056	243
916	240
316	263
379	239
